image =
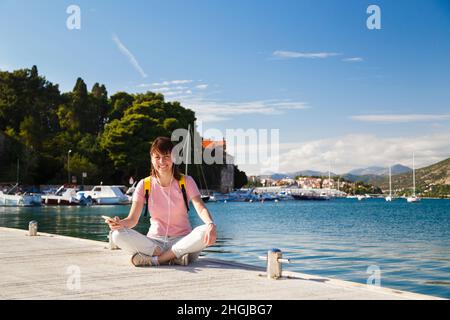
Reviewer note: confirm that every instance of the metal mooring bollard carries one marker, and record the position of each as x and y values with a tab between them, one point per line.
112	245
274	260
273	264
32	228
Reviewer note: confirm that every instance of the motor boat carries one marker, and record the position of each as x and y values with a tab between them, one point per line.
105	195
18	200
14	198
66	195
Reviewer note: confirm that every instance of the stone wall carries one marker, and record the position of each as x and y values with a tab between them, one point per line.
227	175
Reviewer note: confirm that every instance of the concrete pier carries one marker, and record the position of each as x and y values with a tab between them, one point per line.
58	267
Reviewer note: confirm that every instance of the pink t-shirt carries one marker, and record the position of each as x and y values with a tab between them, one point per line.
158	205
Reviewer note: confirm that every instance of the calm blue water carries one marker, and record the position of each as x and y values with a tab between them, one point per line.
410	243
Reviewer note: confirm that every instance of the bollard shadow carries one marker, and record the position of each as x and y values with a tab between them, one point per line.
207	263
320	280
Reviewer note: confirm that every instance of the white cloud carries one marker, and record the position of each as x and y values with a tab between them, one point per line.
202	86
173	93
168	89
355	151
292	105
144	85
168	83
213	111
361	150
355	59
307	55
399	118
129	55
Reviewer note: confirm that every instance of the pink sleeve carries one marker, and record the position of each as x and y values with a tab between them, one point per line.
191	188
138	194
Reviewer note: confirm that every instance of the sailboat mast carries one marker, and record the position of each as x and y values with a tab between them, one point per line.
390	181
187	148
17	172
414	176
329	180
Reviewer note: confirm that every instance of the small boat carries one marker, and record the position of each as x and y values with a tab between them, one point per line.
108	195
268	197
13	198
285	196
130	191
311	196
205	198
220	197
413	198
389	197
18	200
65	196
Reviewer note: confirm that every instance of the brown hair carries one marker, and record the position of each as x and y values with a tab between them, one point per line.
163	145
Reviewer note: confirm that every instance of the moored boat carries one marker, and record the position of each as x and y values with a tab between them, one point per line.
14	198
65	196
107	195
310	196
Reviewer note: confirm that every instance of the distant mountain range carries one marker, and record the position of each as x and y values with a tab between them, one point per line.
362	174
380	171
436	175
433	179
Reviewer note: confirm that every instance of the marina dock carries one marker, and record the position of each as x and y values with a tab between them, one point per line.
58	267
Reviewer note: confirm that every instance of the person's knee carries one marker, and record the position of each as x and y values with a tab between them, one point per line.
117	236
202	229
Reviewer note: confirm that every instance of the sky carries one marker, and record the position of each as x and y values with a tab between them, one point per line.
337	93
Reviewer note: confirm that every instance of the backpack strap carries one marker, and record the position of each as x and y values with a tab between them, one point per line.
182	184
147	189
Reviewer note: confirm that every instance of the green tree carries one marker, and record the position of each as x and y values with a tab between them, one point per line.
99	97
78	165
119	103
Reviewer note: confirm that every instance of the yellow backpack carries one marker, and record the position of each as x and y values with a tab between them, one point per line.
148	188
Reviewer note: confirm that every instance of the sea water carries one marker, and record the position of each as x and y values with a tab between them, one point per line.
341	238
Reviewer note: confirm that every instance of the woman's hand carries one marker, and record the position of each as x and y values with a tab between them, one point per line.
210	235
115	224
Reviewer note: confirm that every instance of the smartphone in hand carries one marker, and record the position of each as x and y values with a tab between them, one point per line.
109	219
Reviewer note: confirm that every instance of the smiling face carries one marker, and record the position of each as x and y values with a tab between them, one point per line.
162	160
162	163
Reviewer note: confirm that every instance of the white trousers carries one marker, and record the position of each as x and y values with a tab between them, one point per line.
132	242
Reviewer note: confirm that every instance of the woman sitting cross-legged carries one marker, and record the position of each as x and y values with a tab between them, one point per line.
170	239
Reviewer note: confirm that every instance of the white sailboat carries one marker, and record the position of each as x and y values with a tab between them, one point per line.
389	197
413	198
329	184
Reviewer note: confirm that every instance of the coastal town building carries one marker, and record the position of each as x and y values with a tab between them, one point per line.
309	183
227	173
